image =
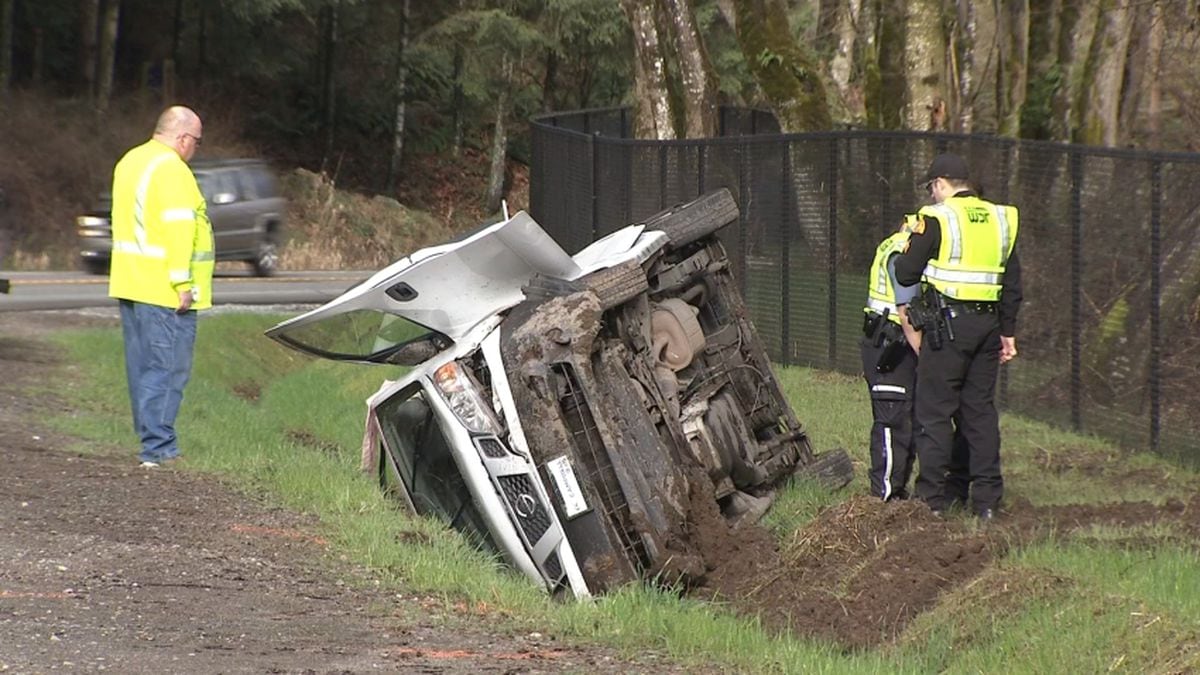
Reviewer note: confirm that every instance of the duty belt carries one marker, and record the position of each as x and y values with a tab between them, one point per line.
957	308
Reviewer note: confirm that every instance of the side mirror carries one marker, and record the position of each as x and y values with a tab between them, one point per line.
224	198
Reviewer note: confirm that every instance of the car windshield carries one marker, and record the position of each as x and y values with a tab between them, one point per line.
421	455
365	335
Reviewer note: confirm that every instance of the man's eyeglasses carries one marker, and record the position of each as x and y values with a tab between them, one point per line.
929	187
193	137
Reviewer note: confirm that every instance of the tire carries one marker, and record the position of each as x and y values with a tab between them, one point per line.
619	284
266	260
542	288
696	219
832	469
94	265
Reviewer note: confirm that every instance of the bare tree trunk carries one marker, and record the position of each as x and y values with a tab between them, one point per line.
6	46
1012	76
457	102
867	56
966	34
202	41
652	116
495	192
1076	31
729	13
89	30
925	59
549	81
393	175
328	77
885	77
108	53
838	35
457	99
1106	70
1154	52
699	85
1141	67
176	31
787	76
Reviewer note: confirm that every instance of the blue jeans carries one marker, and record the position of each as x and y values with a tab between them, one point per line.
158	362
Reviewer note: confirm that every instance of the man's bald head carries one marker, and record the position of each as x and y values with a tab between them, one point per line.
180	128
176	119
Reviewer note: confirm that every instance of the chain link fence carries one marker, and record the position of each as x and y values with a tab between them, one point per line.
1109	243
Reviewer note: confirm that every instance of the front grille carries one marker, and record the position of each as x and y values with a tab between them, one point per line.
529	511
590	450
552	567
491	447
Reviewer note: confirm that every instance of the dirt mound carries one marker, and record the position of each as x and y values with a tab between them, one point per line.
862	570
855	576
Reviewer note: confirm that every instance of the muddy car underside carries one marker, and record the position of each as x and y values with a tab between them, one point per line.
650	380
594	418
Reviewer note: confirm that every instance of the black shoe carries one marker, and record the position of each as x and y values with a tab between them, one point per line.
987	515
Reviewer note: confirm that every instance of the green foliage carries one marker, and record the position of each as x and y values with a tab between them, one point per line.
767	58
1038	112
734	80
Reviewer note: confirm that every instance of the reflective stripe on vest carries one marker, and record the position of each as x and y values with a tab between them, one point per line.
139	205
881	293
977	237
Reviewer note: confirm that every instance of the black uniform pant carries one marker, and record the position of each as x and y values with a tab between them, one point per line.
958	384
892	429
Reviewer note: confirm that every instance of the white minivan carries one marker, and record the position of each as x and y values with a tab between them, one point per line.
574	413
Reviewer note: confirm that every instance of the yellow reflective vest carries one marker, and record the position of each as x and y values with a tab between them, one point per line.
977	237
162	238
881	292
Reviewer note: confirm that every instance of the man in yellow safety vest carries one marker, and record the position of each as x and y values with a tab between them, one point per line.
161	272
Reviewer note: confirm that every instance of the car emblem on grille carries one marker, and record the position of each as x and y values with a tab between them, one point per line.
525	505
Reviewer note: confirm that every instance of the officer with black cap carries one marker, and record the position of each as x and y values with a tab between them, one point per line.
963	249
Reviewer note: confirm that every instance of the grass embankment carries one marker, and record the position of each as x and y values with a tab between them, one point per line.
289	428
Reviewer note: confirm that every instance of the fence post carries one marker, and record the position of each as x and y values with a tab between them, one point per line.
662	175
831	253
1005	178
595	187
785	253
1155	298
1076	169
743	202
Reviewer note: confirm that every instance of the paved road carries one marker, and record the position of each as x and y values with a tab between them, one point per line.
75	290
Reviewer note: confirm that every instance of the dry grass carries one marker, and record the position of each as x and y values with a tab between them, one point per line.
332	229
58	156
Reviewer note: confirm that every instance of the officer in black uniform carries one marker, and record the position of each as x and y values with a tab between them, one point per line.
963	248
890	367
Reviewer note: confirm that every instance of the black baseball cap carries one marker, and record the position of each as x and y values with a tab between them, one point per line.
947	165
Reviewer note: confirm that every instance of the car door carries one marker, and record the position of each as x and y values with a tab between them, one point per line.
447	289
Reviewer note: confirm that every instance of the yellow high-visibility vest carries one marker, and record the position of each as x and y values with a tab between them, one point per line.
977	237
881	294
162	238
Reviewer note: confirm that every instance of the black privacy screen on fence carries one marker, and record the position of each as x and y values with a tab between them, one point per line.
1109	244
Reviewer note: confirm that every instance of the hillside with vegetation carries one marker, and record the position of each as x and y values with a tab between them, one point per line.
427	103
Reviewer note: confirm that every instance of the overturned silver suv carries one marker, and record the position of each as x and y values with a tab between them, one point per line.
572	413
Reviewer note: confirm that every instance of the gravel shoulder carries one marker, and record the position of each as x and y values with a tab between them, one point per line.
105	566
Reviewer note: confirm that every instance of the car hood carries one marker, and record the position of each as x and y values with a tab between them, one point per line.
453	287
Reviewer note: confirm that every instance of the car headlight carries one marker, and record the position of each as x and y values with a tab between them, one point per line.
464	399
